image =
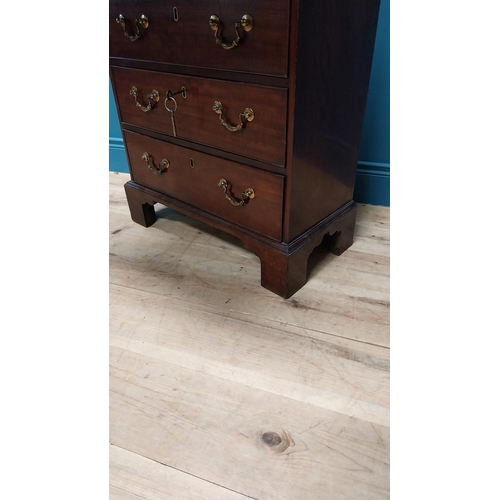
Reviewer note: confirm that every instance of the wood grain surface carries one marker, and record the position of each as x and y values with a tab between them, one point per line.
199	185
221	389
190	41
264	138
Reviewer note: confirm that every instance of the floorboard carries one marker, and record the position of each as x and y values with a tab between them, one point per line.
221	389
133	477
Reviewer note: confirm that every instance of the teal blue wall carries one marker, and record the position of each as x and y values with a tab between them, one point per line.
372	180
117	156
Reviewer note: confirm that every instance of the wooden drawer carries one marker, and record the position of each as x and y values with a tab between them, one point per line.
191	40
194	177
263	138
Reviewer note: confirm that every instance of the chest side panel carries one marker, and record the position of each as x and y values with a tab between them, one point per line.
329	100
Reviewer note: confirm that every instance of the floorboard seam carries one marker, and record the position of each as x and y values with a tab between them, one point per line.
184	472
255	316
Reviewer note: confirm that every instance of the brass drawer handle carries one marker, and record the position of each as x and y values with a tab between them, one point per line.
143	22
246	23
249	194
164	164
153	98
247	116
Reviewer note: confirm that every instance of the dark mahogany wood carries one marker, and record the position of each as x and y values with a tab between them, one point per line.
141	211
283	266
206	149
190	41
264	138
218	74
193	177
284	271
332	72
304	69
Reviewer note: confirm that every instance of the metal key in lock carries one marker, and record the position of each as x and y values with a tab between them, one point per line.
172	111
170	97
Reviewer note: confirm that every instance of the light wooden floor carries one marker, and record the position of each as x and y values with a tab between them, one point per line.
220	389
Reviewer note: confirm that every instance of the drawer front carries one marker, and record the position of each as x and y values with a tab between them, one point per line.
263	138
190	40
194	178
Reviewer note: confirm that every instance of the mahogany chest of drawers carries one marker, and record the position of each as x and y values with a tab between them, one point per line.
247	115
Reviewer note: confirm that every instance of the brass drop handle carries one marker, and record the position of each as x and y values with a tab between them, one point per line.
164	164
249	194
246	23
143	22
247	116
153	98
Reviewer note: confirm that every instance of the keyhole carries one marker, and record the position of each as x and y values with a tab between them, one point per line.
176	14
191	162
